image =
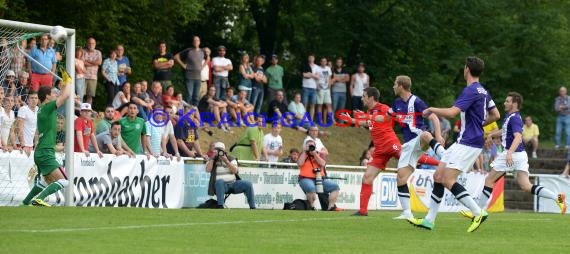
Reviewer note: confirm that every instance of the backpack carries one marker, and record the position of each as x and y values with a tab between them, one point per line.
210	203
298	204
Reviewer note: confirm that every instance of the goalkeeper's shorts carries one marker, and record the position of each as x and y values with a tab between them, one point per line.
45	161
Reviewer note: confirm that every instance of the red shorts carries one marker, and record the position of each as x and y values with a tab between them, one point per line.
38	80
380	157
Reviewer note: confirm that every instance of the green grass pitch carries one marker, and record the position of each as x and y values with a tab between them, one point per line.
131	230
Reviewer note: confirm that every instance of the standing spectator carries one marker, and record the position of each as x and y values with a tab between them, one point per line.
221	66
27	123
22	90
205	73
530	135
7	119
45	62
246	75
250	144
162	63
133	131
273	144
79	73
258	82
18	63
456	129
105	123
274	77
156	93
360	80
339	79
110	71
92	58
84	132
192	66
562	108
310	78
160	135
123	64
324	103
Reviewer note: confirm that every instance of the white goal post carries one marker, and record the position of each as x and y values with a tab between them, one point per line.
69	106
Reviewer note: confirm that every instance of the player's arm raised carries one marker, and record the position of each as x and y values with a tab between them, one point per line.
65	92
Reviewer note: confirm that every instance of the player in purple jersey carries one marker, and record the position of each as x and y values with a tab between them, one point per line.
477	109
407	109
514	158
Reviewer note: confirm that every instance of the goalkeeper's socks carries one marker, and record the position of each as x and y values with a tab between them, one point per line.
51	189
365	193
33	192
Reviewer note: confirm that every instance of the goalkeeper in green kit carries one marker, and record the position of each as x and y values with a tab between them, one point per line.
53	176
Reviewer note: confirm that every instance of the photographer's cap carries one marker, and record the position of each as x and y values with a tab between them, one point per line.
219	146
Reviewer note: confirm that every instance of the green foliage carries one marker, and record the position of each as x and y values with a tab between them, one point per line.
525	44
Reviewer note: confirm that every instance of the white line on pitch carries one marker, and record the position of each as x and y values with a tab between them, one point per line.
58	230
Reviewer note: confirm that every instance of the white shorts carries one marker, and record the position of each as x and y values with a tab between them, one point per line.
460	157
520	162
324	96
411	153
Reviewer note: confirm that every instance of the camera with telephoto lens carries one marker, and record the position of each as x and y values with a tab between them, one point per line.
312	148
221	152
318	181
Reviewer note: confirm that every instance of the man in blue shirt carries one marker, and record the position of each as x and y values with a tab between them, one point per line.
477	109
513	158
45	62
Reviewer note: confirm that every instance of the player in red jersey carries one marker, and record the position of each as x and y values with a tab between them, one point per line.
386	143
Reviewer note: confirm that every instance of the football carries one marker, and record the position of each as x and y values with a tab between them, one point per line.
59	34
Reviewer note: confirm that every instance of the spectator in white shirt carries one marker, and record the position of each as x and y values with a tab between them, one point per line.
273	144
27	123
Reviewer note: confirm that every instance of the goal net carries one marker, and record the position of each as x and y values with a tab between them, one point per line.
17	39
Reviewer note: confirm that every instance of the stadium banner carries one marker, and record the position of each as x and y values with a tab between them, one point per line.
273	187
554	183
107	181
121	181
421	184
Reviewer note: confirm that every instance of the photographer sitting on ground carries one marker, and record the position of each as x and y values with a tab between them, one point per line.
224	177
309	162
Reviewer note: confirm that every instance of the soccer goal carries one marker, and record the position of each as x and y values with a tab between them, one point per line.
16	38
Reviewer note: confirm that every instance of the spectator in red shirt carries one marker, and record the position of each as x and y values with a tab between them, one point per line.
84	132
